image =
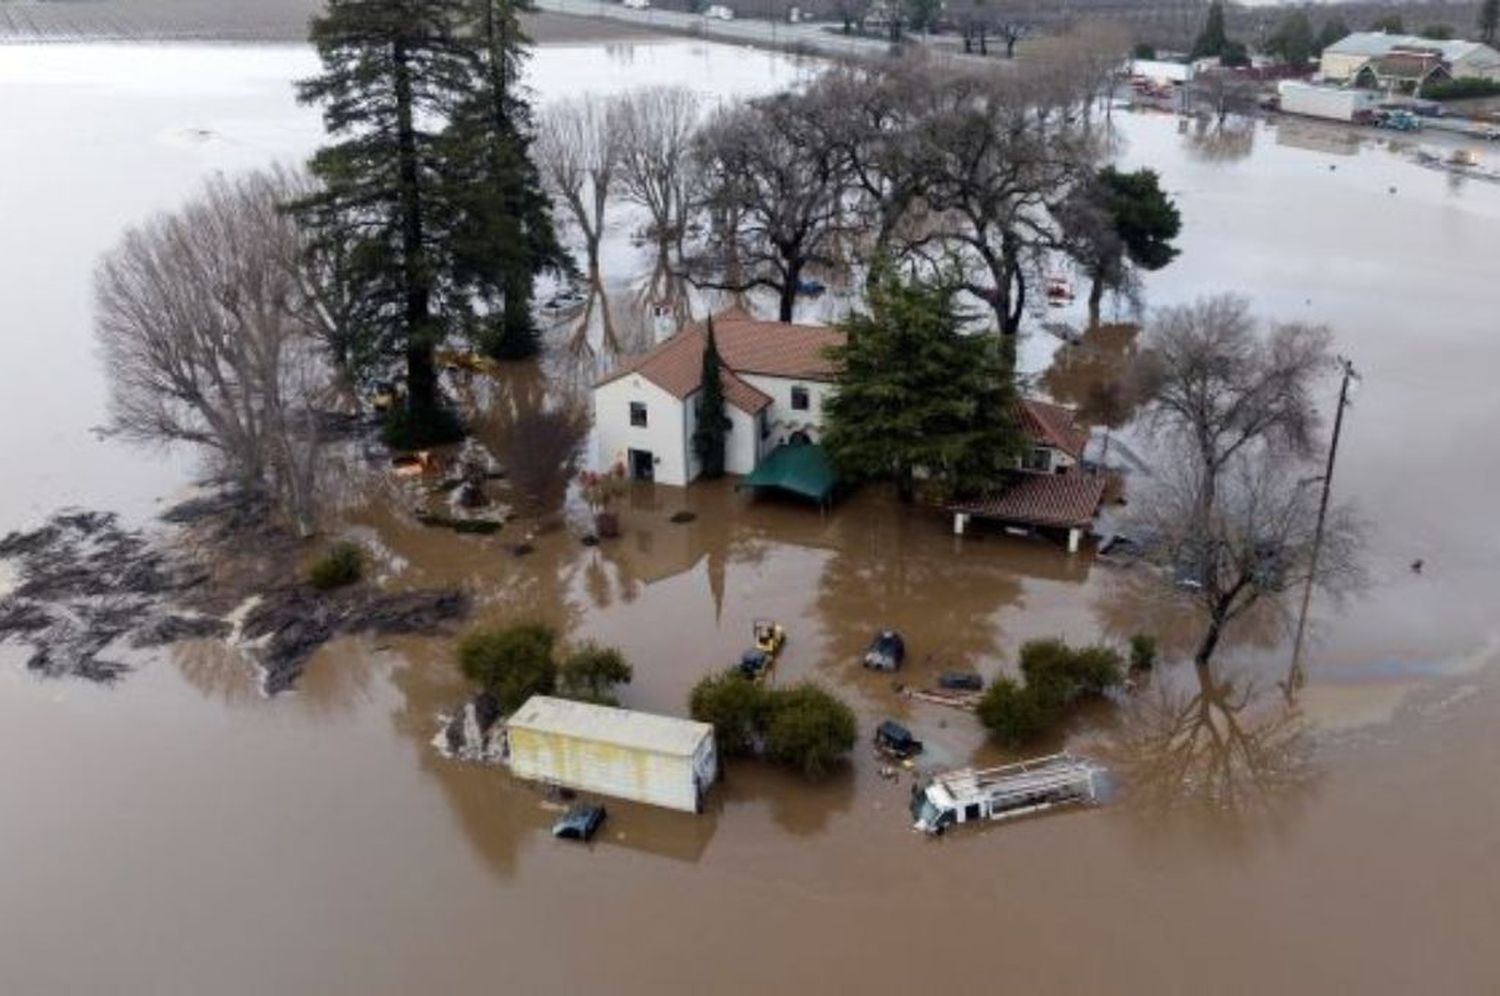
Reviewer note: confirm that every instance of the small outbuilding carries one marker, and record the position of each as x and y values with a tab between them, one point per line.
644	757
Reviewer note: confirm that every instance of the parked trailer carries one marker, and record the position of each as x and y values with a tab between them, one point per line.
1330	103
660	760
970	794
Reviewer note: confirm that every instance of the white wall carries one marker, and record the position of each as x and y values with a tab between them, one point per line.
1332	66
665	435
784	421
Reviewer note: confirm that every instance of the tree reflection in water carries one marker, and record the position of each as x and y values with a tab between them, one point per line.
1219	747
1221	142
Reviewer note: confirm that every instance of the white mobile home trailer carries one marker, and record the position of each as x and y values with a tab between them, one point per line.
1330	103
639	756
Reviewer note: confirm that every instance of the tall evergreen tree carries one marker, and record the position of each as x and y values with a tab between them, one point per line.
1489	20
712	428
508	238
394	72
918	395
1212	40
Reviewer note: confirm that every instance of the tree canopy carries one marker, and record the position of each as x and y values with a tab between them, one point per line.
918	395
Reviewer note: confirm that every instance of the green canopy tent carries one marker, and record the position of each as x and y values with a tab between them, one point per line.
801	468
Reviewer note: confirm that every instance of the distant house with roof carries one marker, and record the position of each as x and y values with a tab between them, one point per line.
1403	63
776	378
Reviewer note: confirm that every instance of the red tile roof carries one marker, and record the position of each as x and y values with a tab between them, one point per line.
1054	426
747	346
1067	501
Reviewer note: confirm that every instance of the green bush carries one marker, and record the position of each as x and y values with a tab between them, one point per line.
1464	86
737	709
804	727
1069	674
1015	714
1056	678
511	662
1142	652
591	672
1144	51
342	564
810	730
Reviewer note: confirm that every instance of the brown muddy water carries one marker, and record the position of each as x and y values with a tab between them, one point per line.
179	833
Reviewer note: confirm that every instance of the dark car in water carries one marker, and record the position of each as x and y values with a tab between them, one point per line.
886	652
578	823
895	740
960	681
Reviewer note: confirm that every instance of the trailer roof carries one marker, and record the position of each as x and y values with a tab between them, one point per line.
605	724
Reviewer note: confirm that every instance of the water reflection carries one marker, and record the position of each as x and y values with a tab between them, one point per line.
1215	141
1218	748
1091	374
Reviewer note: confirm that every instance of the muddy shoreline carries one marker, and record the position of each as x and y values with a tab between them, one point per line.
257	22
88	590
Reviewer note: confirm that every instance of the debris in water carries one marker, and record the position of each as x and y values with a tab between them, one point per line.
682	517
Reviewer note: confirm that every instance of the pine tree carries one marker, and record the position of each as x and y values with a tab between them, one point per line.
712	428
915	393
394	71
1489	20
508	238
1212	40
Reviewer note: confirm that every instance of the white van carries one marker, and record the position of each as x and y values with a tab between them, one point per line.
719	12
637	4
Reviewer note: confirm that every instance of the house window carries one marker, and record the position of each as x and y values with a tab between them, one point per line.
638	414
800	400
1037	458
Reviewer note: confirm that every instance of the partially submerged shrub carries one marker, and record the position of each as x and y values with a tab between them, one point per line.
1013	713
591	672
804	727
1056	678
810	730
511	662
342	564
1142	652
736	708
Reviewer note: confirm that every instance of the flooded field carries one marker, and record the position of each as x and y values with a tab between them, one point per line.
178	832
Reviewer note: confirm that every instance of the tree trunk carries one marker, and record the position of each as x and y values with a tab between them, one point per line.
906	486
787	303
1096	296
1206	647
421	373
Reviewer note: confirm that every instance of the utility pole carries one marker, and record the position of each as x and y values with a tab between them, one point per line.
1296	678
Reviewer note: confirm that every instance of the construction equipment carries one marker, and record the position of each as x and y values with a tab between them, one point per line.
757	662
969	795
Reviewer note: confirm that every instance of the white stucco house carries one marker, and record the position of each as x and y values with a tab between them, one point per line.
776	376
1379	60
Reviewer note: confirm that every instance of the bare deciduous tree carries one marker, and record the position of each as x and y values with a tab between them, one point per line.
208	338
777	190
1251	543
1002	151
578	148
656	131
1212	380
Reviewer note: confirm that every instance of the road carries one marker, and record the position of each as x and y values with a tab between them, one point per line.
811	37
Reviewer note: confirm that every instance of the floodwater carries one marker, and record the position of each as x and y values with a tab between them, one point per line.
178	833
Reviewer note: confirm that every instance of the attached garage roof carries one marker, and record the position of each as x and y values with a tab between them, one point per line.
642	731
801	468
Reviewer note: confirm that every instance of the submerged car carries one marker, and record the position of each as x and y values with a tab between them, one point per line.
578	823
886	652
895	740
960	681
